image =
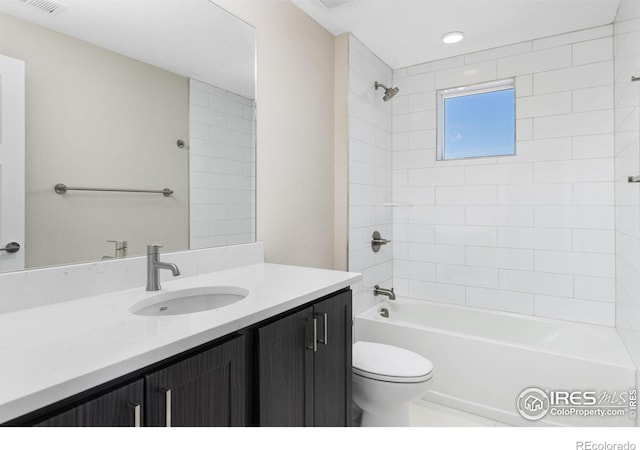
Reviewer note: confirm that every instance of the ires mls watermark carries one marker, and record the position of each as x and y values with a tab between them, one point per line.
589	445
534	403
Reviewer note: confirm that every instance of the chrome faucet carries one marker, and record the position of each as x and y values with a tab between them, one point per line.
377	290
154	264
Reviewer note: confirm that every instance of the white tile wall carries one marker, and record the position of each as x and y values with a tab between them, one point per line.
221	167
531	233
370	160
627	162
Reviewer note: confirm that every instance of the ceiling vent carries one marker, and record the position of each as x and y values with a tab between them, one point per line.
47	7
332	4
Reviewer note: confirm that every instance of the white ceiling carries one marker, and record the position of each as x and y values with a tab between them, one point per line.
194	38
407	32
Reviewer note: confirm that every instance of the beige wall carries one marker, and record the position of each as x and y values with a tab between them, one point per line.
95	118
341	116
295	122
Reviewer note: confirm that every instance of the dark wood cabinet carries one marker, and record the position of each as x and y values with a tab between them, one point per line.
304	366
290	370
122	407
205	390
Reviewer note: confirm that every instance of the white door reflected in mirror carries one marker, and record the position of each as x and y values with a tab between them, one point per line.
12	144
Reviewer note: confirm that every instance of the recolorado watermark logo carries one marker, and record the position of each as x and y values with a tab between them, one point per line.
534	403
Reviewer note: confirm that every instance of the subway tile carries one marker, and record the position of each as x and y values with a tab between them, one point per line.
536	282
410	159
590	75
437	253
544	105
597	241
422	101
577	310
500	300
535	238
524	85
595	50
414	195
499	215
576	263
399	142
524	129
574	171
415	121
544	149
501	258
416	83
593	99
590	217
451	215
535	194
517	173
361	130
465	235
467	275
423	139
595	146
467	195
440	292
593	193
593	288
423	233
465	75
498	52
575	124
627	44
414	270
570	38
536	61
439	64
436	176
361	216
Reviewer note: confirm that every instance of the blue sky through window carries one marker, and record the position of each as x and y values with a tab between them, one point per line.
479	125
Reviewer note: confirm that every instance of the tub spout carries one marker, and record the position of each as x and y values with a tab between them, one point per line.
377	290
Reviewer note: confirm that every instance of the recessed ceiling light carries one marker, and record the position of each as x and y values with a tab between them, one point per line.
453	37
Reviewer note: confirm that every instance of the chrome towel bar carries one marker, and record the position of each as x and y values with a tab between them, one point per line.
634	179
61	188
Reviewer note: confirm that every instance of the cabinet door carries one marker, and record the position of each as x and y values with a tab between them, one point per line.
332	388
285	371
205	390
114	409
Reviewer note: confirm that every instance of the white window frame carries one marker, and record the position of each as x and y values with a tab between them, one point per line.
462	91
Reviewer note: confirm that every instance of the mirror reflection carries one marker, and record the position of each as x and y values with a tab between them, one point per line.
130	95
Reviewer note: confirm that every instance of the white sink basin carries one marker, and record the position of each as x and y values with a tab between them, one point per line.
187	301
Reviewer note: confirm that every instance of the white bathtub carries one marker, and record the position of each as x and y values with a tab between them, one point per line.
483	360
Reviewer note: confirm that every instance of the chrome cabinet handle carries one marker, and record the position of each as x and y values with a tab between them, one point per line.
167	397
314	347
137	422
325	329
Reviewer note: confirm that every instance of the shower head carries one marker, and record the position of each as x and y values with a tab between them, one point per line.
388	92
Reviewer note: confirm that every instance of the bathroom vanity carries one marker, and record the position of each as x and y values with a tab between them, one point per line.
281	356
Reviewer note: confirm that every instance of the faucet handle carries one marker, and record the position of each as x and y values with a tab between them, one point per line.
153	249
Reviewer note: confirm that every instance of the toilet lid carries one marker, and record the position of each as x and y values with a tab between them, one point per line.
388	363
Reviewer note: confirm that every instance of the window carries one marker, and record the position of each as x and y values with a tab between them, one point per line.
476	121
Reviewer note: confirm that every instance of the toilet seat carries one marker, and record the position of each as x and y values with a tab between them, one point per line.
389	363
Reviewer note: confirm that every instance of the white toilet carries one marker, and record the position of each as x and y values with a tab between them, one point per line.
386	379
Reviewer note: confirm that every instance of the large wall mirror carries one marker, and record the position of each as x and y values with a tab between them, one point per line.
133	95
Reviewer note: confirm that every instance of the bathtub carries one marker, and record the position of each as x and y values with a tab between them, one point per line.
483	360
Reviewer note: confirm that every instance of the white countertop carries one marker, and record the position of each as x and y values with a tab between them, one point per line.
51	352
